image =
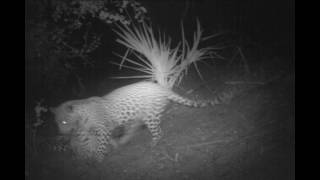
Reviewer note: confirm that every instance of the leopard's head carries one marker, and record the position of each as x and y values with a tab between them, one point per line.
66	117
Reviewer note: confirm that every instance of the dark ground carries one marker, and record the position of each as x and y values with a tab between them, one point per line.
252	137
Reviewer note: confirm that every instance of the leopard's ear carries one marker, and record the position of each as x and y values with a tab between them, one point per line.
66	107
53	110
69	108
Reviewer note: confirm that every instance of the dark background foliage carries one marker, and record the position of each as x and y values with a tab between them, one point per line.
69	45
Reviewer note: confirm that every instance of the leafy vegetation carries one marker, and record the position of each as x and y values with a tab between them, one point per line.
61	36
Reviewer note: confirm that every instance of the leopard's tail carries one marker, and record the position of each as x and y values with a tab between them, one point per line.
185	101
222	98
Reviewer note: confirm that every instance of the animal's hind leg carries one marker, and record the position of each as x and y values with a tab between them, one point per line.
153	125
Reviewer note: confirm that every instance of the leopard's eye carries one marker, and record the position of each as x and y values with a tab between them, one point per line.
64	122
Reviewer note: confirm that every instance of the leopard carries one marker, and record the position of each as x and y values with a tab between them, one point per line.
90	122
